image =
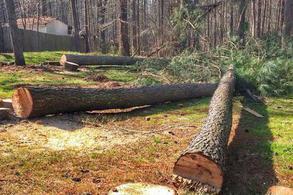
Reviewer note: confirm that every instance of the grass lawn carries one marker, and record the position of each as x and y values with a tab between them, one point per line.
40	57
92	153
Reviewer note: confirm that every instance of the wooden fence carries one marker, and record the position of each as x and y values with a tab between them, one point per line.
36	41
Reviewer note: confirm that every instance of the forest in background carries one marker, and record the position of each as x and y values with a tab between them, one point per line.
56	137
158	27
201	37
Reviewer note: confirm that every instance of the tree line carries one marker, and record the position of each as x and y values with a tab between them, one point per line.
158	27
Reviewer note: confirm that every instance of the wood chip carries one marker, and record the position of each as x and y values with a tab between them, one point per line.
279	190
142	189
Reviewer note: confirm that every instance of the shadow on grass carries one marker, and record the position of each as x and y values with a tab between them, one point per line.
162	108
250	158
75	121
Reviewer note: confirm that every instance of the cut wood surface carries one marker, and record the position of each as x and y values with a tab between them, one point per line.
203	160
98	60
279	190
39	101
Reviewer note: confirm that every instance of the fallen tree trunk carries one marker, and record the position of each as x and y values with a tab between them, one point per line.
203	160
38	101
98	60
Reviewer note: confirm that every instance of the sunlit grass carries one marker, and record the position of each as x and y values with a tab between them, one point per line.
8	81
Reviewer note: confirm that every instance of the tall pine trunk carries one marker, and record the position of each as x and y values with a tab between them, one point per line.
123	37
288	21
15	34
75	23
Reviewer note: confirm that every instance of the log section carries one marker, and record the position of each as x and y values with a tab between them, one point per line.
203	160
39	101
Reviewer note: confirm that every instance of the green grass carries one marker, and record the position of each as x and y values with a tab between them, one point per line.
35	57
120	75
40	57
8	81
280	112
277	132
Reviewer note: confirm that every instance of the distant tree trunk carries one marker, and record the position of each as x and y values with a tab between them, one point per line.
269	16
75	23
281	16
103	4
15	33
134	27
138	27
264	18
87	44
231	19
241	25
44	7
161	21
123	29
258	30
288	21
1	39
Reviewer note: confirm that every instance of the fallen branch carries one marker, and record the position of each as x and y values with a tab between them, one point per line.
98	60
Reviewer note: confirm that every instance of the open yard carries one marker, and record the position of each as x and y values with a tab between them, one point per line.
93	152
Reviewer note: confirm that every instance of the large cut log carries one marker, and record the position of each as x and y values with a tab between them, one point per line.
98	60
203	160
38	101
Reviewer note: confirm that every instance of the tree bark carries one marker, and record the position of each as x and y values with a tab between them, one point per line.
123	29
98	60
76	24
203	160
87	33
15	33
241	25
288	21
44	7
39	101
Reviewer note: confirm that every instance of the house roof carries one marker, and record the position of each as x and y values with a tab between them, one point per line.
30	22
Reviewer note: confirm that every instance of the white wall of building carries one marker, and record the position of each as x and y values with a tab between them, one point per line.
57	28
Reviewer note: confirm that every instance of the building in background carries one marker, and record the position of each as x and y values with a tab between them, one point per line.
48	25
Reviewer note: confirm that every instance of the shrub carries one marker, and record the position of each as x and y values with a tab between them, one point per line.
275	77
